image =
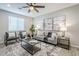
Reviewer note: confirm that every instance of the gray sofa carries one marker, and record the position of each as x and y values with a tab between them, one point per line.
50	38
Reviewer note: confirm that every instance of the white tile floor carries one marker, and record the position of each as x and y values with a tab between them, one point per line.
46	50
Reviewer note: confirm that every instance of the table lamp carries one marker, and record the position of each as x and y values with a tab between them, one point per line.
63	29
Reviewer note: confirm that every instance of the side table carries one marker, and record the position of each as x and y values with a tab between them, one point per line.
63	42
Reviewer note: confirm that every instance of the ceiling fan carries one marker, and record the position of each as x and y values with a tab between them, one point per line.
32	6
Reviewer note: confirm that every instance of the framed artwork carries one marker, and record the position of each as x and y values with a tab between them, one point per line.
53	24
59	22
48	24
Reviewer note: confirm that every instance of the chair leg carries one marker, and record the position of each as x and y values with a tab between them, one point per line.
6	43
16	40
55	45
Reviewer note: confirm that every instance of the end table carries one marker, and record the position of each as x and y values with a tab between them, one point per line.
63	42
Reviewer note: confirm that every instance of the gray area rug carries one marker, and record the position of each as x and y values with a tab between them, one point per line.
46	50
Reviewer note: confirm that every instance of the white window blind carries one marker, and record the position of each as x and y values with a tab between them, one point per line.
16	24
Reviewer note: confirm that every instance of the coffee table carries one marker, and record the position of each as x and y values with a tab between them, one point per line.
30	46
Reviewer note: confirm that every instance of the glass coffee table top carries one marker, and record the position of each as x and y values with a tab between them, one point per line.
29	45
34	42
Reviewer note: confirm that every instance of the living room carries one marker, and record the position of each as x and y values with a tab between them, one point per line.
49	29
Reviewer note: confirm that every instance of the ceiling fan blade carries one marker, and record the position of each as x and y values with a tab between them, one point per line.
19	8
36	10
29	10
39	6
28	4
24	7
31	4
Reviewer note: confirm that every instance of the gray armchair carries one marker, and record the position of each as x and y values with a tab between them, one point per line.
9	36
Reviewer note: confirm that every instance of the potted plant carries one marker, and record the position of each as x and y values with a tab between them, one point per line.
32	30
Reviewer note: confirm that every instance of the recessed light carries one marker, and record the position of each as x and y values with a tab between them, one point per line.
8	5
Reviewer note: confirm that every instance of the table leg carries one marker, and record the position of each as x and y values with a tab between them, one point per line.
40	45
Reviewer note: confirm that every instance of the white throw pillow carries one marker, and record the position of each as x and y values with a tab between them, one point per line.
12	34
23	33
54	35
17	34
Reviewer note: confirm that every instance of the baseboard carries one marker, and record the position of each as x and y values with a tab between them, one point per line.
76	46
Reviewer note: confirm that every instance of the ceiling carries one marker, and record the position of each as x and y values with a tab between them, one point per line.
49	7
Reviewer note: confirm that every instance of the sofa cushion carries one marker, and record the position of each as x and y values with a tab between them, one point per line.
51	38
40	33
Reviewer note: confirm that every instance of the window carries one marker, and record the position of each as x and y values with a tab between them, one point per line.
16	24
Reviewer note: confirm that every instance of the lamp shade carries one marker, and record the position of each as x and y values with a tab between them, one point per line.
63	29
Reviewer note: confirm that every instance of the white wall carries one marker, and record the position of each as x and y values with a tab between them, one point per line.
4	22
72	22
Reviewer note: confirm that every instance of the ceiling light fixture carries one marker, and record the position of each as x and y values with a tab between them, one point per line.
31	7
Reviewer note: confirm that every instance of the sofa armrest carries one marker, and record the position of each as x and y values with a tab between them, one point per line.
52	40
